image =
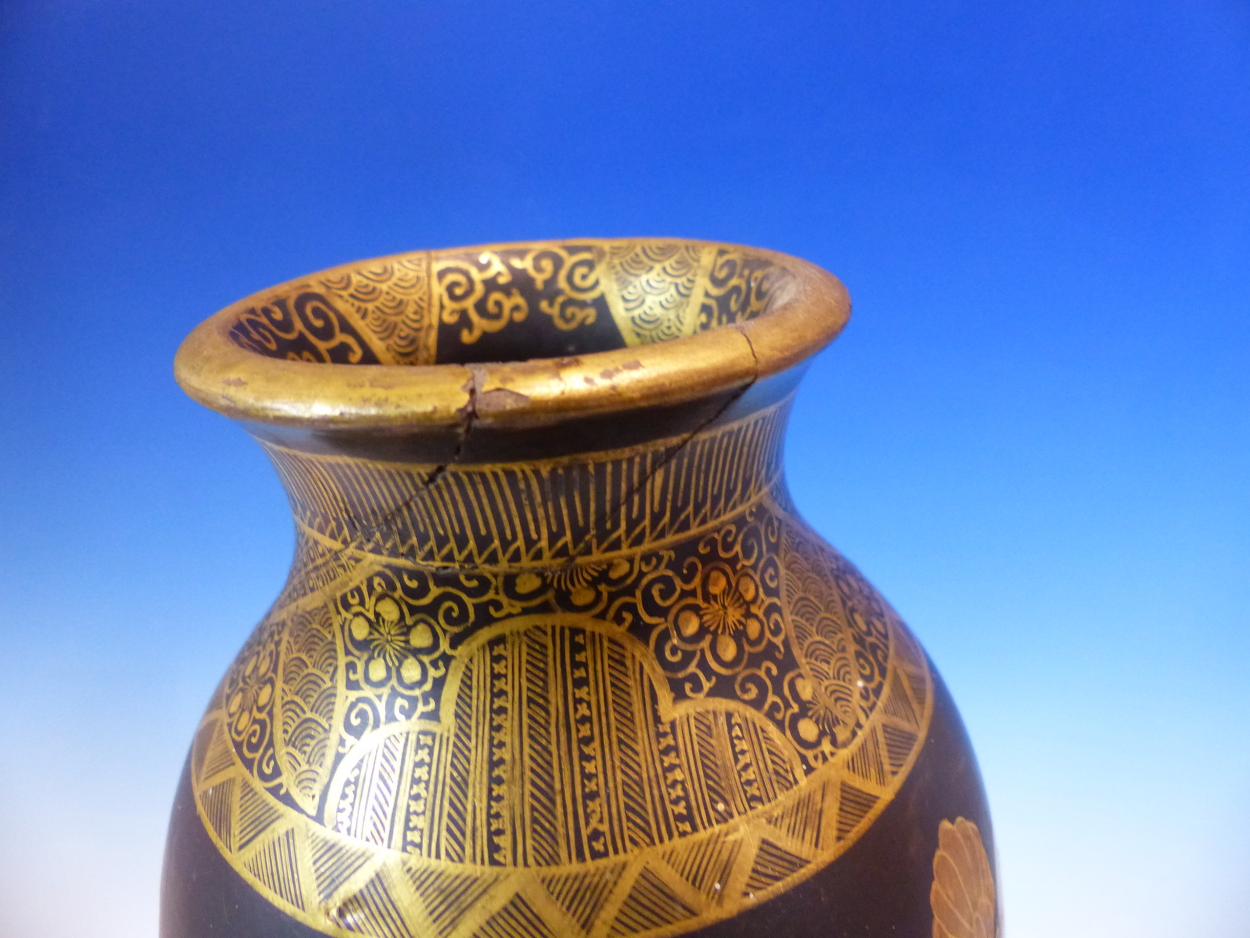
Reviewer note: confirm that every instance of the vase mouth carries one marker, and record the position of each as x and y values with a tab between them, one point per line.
511	335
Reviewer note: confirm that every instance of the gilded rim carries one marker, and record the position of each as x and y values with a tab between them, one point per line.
810	310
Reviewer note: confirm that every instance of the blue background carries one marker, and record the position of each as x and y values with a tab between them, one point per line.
1034	436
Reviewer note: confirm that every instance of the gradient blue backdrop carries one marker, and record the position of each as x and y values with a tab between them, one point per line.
1033	437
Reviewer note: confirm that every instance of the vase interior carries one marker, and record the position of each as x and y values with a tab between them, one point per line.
510	303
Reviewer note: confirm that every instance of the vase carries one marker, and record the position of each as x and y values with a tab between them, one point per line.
556	655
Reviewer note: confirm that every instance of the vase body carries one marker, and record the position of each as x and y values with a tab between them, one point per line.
582	676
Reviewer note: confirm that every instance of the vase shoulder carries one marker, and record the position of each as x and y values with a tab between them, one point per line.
582	676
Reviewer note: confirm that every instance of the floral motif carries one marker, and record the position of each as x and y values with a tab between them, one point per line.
392	642
756	630
505	673
731	609
775	655
578	580
732	605
711	612
252	695
248	699
962	895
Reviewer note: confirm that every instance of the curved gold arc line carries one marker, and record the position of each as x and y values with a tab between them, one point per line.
390	866
397	494
352	549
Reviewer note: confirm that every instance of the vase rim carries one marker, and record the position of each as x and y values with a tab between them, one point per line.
810	308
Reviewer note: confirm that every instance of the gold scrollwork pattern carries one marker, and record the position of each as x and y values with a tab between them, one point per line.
479	291
305	327
739	287
637	741
599	813
487	290
388	311
574	277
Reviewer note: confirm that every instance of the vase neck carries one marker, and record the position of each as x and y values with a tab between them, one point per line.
537	511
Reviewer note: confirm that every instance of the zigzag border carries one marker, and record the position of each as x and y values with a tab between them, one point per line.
344	887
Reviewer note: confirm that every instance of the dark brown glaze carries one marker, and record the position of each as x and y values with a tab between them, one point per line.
879	888
556	655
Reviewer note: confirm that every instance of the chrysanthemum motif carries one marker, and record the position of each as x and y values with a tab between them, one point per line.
962	895
391	641
730	608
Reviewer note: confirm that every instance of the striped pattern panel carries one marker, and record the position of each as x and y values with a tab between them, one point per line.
551	759
559	805
538	512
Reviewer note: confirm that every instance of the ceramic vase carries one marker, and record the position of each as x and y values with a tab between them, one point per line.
557	656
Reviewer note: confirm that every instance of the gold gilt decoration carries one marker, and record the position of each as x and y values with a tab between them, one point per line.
962	896
374	313
305	327
536	512
391	297
478	290
571	734
307	706
656	288
739	287
485	291
573	275
388	311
